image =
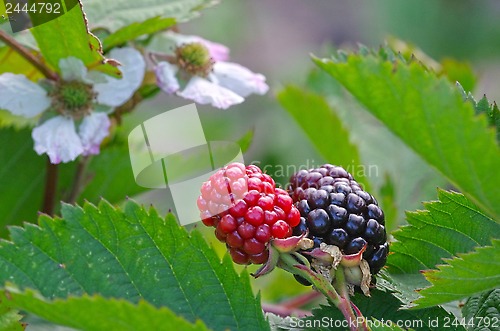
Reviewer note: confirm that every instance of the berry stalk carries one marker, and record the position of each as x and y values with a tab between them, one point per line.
289	263
346	306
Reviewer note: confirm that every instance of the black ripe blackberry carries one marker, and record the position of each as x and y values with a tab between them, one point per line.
338	212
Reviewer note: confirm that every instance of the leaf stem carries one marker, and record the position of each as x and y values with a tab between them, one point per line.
323	285
24	52
49	197
78	180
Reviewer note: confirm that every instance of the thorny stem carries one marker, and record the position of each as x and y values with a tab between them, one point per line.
341	301
78	180
24	52
49	196
288	263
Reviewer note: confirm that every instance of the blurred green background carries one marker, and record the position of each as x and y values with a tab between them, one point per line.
276	38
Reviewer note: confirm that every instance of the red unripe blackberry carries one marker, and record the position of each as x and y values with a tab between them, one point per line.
336	211
247	211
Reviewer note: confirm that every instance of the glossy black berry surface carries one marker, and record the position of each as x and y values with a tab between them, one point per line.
337	211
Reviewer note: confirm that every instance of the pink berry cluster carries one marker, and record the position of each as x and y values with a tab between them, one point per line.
247	211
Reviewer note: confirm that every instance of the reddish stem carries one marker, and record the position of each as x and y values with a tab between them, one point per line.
301	300
79	179
346	306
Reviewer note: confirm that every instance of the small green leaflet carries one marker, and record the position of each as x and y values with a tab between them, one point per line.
134	255
463	276
447	227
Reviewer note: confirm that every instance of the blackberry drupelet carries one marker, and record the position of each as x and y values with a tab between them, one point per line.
336	211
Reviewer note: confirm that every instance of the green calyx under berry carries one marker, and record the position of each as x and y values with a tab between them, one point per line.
194	59
74	99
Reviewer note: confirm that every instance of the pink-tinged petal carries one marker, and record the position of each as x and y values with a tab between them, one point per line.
72	68
204	92
21	96
218	52
92	131
58	139
116	92
165	77
239	79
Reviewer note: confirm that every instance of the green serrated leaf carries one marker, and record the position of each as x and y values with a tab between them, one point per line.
452	69
429	115
324	128
388	309
447	227
9	317
135	30
114	15
495	119
482	106
491	112
463	276
100	314
134	255
482	312
68	35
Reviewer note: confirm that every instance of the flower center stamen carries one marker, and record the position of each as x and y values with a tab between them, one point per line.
194	59
73	99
